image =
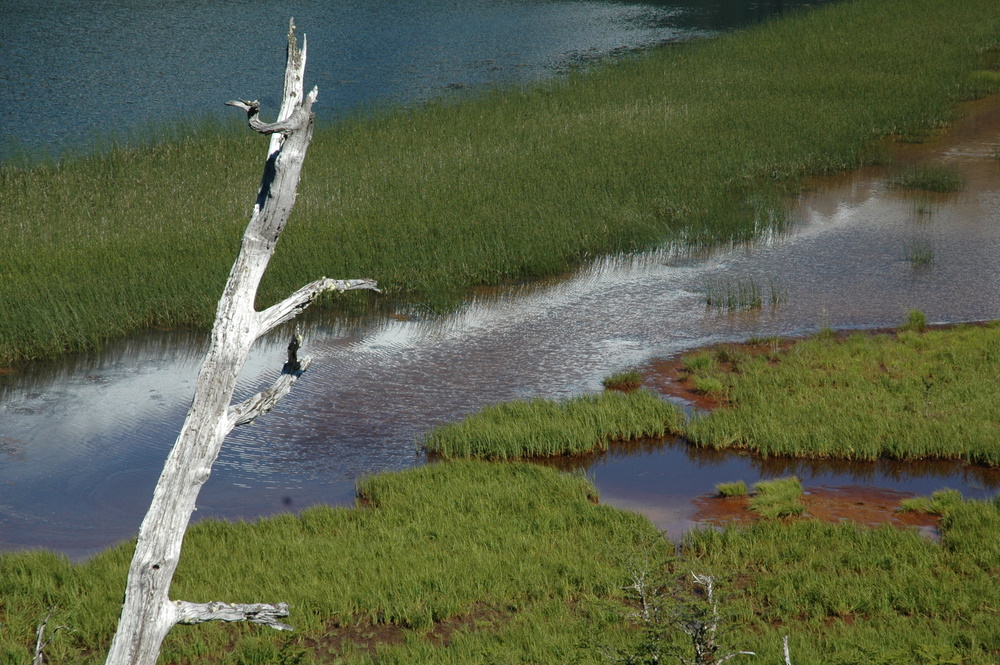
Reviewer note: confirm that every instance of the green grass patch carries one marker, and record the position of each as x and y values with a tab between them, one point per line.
709	385
928	178
543	428
916	321
699	361
698	144
738	488
939	503
777	498
508	556
627	380
849	594
479	563
912	395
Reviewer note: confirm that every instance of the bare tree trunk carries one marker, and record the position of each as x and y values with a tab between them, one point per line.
148	613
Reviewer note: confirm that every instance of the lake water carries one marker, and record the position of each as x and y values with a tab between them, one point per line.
74	72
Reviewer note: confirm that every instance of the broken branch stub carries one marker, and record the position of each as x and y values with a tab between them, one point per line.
148	614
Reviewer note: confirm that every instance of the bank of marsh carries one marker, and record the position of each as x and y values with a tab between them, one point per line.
477	562
694	144
545	428
916	394
912	395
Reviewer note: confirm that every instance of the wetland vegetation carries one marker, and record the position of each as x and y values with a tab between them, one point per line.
543	428
928	178
695	144
917	393
480	562
909	395
468	561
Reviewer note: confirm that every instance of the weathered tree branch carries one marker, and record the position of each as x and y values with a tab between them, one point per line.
253	119
291	306
254	407
148	614
41	642
263	613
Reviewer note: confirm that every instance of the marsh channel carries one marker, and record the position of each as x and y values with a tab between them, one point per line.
82	440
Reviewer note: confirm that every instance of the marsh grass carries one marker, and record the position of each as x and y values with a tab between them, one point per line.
700	361
697	144
919	252
437	543
912	395
856	594
923	207
627	380
738	488
939	503
777	498
916	321
733	295
543	428
478	563
708	384
741	294
928	178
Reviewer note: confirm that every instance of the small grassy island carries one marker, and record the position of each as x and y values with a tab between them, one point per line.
496	560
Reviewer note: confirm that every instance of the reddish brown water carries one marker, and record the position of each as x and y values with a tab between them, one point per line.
82	442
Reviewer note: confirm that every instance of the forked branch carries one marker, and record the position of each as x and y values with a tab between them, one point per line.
290	307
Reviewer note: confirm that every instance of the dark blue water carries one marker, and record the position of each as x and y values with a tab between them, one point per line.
75	72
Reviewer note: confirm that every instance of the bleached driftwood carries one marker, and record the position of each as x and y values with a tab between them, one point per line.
41	642
264	613
703	629
148	613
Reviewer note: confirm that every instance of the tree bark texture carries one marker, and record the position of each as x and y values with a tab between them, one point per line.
148	613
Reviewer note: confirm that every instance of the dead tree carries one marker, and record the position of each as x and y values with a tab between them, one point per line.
148	613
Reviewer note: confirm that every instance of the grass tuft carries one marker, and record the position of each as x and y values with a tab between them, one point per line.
738	488
777	498
928	178
939	503
626	381
707	384
916	321
920	253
